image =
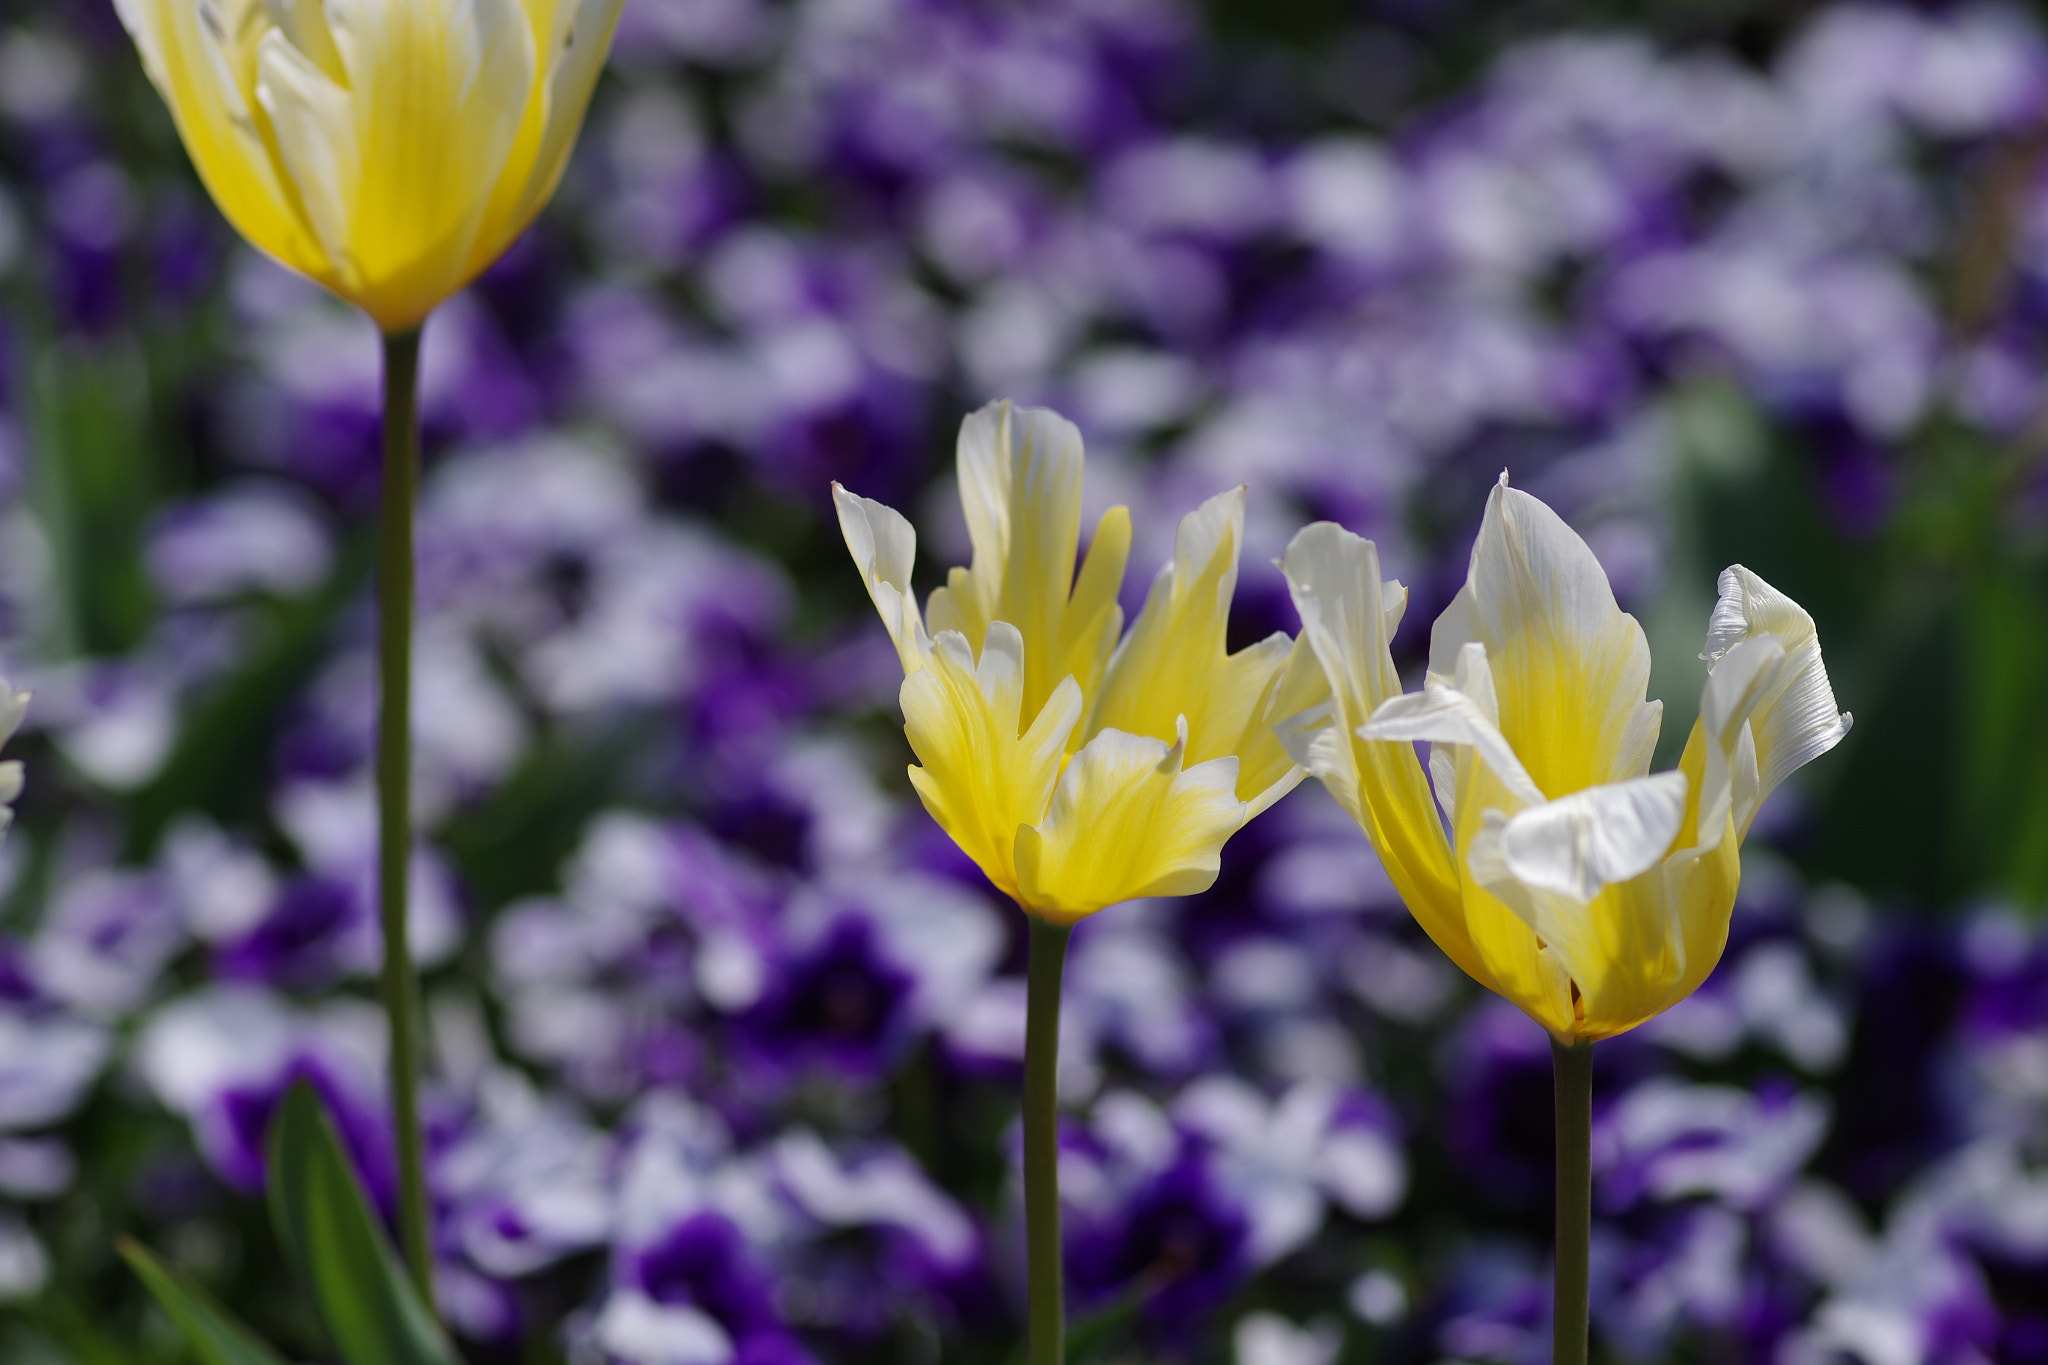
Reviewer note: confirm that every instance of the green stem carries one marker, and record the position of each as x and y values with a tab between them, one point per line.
1573	1070
1041	1141
394	782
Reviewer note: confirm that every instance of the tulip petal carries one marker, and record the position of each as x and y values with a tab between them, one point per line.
202	60
1730	781
438	91
1128	820
1796	720
884	546
1572	668
304	25
1578	845
980	779
572	38
1173	663
1348	616
1266	771
1020	485
1564	870
314	122
1442	714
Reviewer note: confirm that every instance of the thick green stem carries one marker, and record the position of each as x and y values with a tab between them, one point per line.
1573	1071
1042	1141
394	794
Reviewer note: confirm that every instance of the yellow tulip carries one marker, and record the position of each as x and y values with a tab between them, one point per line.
1538	850
390	149
1078	766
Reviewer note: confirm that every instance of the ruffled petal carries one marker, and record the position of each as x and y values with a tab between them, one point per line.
1579	845
1795	720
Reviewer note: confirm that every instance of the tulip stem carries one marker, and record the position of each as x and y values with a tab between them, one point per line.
1572	1066
1042	1141
394	796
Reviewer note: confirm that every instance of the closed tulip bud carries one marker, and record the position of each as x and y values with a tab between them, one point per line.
1538	849
390	149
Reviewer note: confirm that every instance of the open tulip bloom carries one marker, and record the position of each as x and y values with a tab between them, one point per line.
1078	766
1537	849
390	150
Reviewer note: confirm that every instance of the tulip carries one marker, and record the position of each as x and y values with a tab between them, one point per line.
390	149
1077	765
1537	849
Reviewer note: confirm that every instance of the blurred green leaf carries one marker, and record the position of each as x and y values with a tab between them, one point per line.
95	489
2002	805
217	1336
368	1305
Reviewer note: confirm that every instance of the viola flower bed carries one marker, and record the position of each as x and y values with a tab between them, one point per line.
725	1033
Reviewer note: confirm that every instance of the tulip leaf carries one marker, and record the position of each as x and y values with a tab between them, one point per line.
215	1335
371	1311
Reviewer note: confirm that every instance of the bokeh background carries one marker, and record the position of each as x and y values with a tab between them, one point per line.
726	1035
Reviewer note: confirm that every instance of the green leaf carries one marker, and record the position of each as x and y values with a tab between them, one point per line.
373	1314
218	1337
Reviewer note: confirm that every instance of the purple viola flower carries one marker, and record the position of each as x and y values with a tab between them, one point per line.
1665	1140
520	1182
334	826
250	537
839	1005
301	939
871	964
1149	1213
1178	1240
873	1237
1497	1105
1496	1308
699	1278
105	942
223	1057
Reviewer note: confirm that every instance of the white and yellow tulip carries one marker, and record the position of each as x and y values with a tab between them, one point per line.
1078	766
1538	850
390	149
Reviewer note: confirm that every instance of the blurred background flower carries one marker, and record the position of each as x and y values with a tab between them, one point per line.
725	1032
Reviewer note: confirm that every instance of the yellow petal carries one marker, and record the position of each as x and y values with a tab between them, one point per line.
1173	663
572	38
980	779
1265	770
1020	485
438	90
1128	820
884	546
205	69
1348	616
1660	935
1571	667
